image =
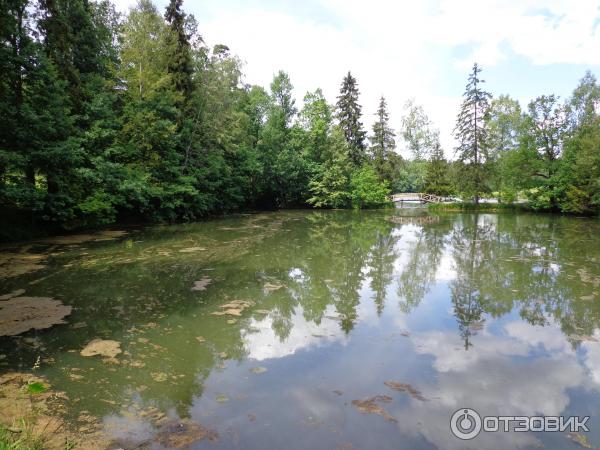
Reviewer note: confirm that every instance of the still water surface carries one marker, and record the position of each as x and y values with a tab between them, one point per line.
500	313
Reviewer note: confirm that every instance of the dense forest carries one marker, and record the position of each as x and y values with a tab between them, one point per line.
108	118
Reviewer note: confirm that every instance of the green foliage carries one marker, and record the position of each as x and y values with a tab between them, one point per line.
540	198
383	143
418	132
437	179
367	191
179	60
467	206
504	123
20	438
551	154
108	117
36	387
24	436
330	187
143	53
316	118
410	176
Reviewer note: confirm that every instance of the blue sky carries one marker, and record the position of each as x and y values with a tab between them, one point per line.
408	49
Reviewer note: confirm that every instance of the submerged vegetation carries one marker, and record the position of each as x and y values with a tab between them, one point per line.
191	334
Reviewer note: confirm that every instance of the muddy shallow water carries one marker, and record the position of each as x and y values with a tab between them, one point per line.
321	330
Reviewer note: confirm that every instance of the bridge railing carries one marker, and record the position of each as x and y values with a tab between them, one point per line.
416	197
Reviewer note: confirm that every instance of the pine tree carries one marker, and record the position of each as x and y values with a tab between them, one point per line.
348	114
437	179
179	57
74	43
16	62
471	133
382	141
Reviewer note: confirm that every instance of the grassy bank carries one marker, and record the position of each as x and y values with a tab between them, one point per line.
489	207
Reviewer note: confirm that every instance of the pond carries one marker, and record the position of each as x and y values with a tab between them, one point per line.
320	330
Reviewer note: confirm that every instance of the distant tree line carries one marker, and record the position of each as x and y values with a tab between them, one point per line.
106	118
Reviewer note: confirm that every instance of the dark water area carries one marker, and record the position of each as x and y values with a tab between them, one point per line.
321	330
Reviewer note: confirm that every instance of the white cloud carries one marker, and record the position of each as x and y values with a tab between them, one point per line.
123	5
487	379
263	343
545	32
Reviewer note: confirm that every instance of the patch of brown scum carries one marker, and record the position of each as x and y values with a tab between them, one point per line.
405	387
270	287
15	293
21	314
233	308
587	277
580	440
201	284
371	406
76	239
192	249
16	264
182	434
101	347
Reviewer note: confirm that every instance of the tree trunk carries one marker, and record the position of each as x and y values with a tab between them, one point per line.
30	174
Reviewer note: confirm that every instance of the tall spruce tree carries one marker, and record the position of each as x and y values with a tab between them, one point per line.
16	62
74	44
382	141
179	49
348	115
471	133
437	178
